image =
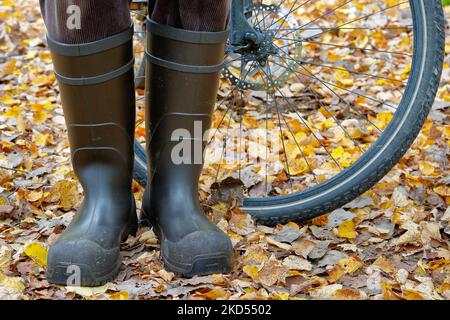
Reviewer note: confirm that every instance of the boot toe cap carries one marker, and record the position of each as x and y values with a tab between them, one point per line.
82	263
199	253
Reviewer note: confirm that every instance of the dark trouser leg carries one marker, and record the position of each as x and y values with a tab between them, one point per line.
182	78
195	15
94	67
97	19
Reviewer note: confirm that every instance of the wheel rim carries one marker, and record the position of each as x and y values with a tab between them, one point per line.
236	117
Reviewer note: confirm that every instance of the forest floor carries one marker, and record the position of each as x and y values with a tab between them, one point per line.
390	243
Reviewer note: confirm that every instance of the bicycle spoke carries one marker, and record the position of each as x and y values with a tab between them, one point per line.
289	12
223	117
341	88
342	46
229	62
333	116
241	111
267	143
224	146
270	12
324	15
305	123
349	71
269	77
325	84
241	80
339	96
290	130
359	19
346	28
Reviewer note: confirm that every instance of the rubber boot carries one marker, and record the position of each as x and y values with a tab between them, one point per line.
183	72
96	82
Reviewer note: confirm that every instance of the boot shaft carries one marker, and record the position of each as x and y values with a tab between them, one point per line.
183	72
96	82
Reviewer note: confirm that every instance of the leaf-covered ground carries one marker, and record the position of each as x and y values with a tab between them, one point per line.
390	243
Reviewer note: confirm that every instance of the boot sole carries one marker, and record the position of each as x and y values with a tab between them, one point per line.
205	264
88	278
65	273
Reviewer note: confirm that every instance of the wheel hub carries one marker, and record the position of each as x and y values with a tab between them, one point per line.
270	54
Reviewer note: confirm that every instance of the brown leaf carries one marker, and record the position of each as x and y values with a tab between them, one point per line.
273	272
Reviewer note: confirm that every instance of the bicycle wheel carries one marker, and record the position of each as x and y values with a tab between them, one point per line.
326	104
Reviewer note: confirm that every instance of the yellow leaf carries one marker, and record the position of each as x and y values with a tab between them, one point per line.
298	167
214	294
293	225
279	296
68	194
41	107
8	100
412	295
343	77
9	67
33	196
426	168
335	274
220	209
31	54
346	230
442	190
251	271
15	283
119	296
42	140
384	264
350	265
333	57
39	117
37	253
383	119
43	80
13	112
406	71
388	293
255	254
338	152
437	264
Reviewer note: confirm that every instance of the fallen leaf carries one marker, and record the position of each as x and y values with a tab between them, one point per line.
297	263
303	248
37	253
346	230
325	292
384	264
273	272
351	264
123	295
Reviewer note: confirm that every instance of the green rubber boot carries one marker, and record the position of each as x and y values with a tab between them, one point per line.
182	79
97	89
